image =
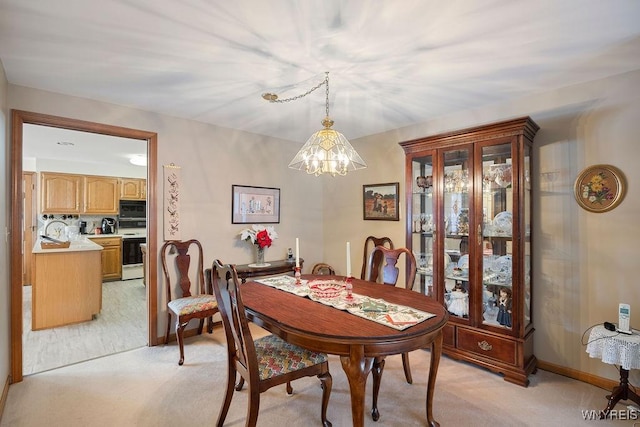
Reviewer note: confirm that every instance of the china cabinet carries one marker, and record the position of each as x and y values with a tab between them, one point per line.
468	199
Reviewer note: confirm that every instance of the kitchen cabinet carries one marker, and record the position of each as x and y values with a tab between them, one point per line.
468	196
133	188
63	193
111	257
101	195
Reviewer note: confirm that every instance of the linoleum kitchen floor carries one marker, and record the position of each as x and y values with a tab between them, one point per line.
120	326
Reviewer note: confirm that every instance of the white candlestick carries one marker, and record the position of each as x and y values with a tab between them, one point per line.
297	252
348	259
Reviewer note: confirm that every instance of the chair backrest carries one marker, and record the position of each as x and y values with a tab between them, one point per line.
370	243
322	268
240	345
183	250
390	272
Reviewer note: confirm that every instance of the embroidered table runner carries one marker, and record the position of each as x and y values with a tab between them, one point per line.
395	316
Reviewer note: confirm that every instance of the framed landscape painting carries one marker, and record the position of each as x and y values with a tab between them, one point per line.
381	202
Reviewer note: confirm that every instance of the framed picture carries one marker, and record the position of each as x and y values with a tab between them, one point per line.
252	205
600	188
380	201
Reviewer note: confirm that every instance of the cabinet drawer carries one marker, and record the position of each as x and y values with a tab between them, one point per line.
106	241
487	345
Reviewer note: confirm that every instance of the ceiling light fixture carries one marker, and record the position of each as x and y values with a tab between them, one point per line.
138	160
327	150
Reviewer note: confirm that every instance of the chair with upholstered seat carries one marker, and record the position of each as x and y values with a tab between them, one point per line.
322	268
370	243
186	299
265	362
388	259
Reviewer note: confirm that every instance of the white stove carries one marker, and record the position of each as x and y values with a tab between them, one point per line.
132	265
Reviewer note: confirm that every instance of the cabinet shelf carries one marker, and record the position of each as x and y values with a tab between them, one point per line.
482	173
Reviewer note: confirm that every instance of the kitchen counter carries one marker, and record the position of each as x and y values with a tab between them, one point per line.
66	284
124	233
80	245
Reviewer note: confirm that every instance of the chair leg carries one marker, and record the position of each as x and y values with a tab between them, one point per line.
407	367
254	407
231	377
210	324
289	388
166	337
200	326
376	370
180	336
240	384
326	382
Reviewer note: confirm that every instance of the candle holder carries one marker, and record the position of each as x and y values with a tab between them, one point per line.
349	287
296	274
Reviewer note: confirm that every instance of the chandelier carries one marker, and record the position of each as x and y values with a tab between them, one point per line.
327	150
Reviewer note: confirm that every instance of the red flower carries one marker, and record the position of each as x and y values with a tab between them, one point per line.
262	239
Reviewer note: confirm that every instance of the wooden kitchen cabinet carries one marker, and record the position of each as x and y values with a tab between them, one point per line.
64	193
61	193
468	197
133	188
111	257
101	195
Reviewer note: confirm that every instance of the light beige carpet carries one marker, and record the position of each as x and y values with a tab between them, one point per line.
146	387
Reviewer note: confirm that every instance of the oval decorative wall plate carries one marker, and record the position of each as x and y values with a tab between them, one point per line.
600	188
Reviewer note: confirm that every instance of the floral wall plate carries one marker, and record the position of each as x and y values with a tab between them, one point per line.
600	188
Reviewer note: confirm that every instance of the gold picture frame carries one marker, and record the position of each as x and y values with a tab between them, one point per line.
600	188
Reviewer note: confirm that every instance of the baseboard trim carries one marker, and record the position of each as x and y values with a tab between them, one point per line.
5	392
189	333
595	380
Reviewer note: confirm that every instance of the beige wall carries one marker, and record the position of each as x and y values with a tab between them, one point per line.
583	261
5	194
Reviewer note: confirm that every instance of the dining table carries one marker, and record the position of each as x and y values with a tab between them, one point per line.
357	340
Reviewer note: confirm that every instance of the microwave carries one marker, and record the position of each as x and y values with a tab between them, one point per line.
133	209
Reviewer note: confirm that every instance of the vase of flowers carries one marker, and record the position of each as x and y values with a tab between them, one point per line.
261	238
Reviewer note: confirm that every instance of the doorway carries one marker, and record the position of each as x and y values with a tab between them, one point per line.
19	119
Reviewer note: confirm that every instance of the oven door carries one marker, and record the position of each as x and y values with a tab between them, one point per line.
132	266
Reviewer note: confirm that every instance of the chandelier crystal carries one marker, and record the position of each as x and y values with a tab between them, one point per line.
327	150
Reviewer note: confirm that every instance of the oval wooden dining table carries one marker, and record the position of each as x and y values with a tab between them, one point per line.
356	340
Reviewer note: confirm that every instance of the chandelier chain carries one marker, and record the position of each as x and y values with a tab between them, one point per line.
316	87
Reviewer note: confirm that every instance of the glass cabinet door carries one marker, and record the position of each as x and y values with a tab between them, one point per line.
497	231
422	225
457	196
527	235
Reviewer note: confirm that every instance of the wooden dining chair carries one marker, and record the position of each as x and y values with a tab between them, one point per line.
388	259
264	362
370	243
186	299
322	268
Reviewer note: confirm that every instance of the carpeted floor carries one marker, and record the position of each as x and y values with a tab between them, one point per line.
146	387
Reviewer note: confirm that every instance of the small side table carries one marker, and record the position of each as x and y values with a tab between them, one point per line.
616	349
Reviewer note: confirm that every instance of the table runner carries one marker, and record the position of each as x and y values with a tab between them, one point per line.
395	316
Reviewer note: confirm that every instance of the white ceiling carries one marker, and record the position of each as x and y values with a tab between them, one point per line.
392	63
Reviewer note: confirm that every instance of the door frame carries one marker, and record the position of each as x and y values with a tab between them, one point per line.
18	119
